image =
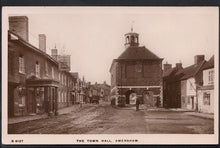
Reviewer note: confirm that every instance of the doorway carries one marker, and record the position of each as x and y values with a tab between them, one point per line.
192	102
127	95
31	107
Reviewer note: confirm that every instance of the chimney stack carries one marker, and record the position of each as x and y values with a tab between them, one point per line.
42	42
199	58
179	66
54	53
167	66
19	25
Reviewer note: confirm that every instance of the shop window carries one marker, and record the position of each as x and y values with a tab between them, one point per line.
206	98
21	64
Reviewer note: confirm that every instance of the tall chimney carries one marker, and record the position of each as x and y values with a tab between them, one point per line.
42	42
19	25
198	58
167	66
54	53
179	66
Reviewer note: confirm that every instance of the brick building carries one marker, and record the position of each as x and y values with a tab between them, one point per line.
102	90
172	86
137	72
32	78
36	81
206	91
180	84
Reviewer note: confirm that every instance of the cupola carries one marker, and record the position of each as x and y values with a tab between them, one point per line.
131	39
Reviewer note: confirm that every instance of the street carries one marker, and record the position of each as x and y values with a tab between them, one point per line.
105	119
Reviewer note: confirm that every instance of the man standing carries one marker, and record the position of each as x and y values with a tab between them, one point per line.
137	103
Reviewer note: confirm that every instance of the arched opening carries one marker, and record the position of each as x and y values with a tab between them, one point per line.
129	96
132	39
127	39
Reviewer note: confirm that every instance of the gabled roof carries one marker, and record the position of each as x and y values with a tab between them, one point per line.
134	53
209	63
190	71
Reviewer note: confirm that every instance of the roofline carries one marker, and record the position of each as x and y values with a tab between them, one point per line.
113	61
208	67
33	47
199	68
159	59
131	33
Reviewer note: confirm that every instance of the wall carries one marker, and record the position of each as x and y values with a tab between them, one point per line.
206	76
188	94
113	74
190	87
30	57
147	73
183	95
202	107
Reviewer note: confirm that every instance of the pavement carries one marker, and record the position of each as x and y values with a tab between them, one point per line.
67	110
61	111
202	115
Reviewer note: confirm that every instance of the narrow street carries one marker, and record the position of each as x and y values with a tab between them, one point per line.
104	119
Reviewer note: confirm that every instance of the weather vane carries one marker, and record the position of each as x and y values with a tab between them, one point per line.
132	23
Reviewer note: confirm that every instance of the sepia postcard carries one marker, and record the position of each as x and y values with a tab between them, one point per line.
110	75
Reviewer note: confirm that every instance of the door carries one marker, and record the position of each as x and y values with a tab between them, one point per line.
192	102
10	101
31	103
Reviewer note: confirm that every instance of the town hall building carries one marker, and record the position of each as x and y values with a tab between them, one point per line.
136	73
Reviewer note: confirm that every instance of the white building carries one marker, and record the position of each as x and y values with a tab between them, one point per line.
206	92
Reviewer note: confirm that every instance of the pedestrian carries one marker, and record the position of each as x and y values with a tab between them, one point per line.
137	104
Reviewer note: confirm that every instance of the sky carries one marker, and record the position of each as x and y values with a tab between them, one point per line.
95	36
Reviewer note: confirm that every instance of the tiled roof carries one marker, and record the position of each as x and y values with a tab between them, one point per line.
190	71
138	53
209	63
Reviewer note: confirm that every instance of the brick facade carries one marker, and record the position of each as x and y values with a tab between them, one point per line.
139	71
36	84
